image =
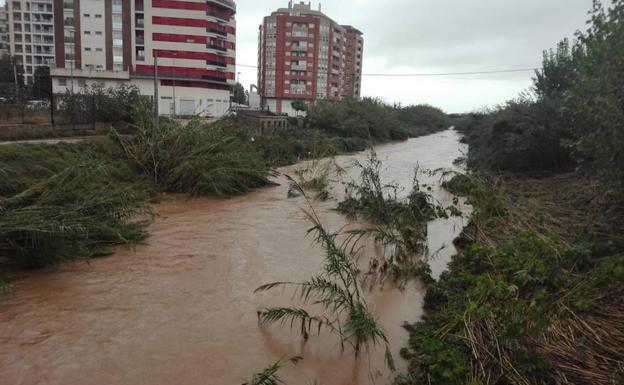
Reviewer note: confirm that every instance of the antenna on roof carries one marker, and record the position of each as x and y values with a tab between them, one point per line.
319	6
290	4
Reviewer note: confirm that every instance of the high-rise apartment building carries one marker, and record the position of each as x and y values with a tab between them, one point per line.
114	42
31	34
4	31
305	55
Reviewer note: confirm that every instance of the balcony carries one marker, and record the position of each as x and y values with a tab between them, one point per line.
217	47
219	31
229	4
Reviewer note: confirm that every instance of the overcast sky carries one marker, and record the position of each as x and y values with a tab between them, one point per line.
433	36
437	36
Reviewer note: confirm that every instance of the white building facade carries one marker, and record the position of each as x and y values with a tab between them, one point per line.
114	42
31	34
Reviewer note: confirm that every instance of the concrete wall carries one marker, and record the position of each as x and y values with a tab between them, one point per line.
189	101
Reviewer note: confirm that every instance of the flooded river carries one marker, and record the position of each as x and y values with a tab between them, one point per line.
181	309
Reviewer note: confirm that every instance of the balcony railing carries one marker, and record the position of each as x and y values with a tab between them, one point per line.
217	31
217	47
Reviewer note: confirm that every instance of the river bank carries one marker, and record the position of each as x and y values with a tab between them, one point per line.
181	308
524	303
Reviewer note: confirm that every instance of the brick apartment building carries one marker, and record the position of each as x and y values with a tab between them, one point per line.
30	34
114	42
305	55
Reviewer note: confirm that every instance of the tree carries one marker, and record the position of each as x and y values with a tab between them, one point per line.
42	84
9	68
299	106
596	100
239	95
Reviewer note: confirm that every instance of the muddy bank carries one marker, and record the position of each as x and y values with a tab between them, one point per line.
181	310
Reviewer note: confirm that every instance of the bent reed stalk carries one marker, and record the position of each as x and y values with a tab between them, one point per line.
337	290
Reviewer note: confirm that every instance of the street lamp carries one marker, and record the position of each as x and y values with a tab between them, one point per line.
72	32
174	84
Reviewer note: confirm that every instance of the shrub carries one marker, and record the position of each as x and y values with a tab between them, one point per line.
521	301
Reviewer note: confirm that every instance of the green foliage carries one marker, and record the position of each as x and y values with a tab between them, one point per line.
281	148
299	105
337	289
42	83
76	212
239	95
374	120
489	315
575	112
8	69
522	136
195	159
422	120
484	193
596	99
400	223
23	165
99	104
269	375
368	119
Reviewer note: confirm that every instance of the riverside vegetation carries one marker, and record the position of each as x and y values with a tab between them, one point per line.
67	201
398	225
535	295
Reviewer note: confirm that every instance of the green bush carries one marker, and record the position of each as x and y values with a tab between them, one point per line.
595	101
422	120
506	301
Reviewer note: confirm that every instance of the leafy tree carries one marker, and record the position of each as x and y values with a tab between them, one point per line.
8	69
596	102
42	84
239	95
557	74
299	106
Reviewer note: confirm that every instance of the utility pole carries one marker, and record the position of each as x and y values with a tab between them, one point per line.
73	62
156	115
174	86
15	75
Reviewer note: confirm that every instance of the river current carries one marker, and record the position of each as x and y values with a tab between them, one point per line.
180	309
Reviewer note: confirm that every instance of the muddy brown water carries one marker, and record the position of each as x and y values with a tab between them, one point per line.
181	308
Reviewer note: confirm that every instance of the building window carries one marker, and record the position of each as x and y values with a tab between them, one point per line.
62	82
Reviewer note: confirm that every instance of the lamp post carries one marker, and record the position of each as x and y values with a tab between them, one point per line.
73	61
174	84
